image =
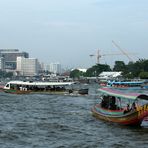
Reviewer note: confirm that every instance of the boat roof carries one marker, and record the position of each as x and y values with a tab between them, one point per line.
40	83
122	95
127	82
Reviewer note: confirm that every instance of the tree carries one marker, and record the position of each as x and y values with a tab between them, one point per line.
119	66
143	75
76	73
4	74
145	65
97	69
137	69
130	70
8	74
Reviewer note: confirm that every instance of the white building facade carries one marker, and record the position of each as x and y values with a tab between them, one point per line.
2	63
110	75
55	68
28	66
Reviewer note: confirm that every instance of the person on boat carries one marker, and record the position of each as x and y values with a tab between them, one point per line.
127	109
104	102
112	104
70	91
133	107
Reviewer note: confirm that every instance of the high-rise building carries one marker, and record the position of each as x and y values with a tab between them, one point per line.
42	67
55	68
2	63
10	56
28	66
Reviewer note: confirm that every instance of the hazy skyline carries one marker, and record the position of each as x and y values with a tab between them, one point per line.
68	31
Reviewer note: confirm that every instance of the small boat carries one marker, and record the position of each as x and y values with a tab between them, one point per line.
83	91
27	87
122	108
126	84
145	85
103	83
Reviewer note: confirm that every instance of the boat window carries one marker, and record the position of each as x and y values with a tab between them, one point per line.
7	85
12	86
142	102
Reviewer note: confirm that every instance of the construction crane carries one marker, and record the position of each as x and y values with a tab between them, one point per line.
98	55
123	52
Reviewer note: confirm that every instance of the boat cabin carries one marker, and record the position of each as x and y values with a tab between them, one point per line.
124	108
117	100
123	84
30	86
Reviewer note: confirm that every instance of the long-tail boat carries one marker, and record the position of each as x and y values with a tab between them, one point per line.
123	108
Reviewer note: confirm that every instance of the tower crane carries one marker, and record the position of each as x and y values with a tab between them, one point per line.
98	55
123	52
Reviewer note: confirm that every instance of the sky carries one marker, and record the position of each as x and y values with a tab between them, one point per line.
68	31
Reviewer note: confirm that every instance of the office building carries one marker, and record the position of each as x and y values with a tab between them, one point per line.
2	64
10	56
28	66
55	68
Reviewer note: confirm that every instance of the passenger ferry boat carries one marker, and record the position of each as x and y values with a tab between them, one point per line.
27	87
122	108
133	84
145	85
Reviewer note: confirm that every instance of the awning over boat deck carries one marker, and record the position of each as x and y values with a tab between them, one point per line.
31	83
143	97
122	95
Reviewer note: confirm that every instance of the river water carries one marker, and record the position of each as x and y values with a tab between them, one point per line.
52	121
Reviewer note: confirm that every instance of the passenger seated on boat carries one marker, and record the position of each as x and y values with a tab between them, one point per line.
70	91
113	107
18	87
127	109
133	107
105	102
112	104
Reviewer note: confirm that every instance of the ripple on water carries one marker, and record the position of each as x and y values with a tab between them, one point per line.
53	121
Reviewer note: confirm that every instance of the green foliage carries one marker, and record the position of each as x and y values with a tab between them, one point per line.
143	75
97	69
8	74
4	74
91	72
131	70
76	73
128	75
119	66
